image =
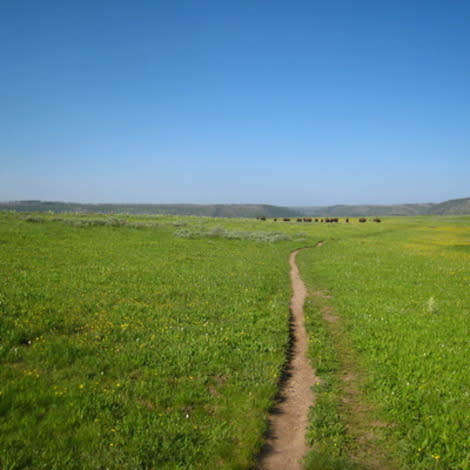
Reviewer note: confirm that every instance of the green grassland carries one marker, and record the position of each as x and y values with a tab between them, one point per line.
158	342
402	295
125	346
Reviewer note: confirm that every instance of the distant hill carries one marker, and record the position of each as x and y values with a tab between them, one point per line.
210	210
452	207
365	210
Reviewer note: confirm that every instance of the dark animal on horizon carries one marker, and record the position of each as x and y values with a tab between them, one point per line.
307	219
362	220
377	220
286	219
316	220
275	220
347	220
299	220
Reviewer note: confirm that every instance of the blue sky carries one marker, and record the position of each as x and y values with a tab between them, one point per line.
263	101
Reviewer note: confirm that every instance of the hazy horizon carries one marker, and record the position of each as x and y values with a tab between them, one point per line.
303	103
226	203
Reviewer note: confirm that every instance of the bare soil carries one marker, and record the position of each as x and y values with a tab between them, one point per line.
286	446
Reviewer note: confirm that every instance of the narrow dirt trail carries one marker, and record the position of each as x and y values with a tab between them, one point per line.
286	445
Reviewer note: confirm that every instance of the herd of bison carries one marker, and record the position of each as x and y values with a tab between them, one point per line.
327	220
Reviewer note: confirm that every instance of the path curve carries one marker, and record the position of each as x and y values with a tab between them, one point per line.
288	423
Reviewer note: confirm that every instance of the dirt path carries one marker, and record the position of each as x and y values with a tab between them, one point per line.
286	444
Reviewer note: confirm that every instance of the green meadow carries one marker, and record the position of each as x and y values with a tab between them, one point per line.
401	297
158	342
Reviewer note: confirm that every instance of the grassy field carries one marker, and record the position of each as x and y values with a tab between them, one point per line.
401	297
125	346
157	342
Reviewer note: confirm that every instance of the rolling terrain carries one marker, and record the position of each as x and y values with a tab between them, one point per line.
451	207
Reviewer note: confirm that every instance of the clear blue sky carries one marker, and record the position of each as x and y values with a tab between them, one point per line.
237	101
